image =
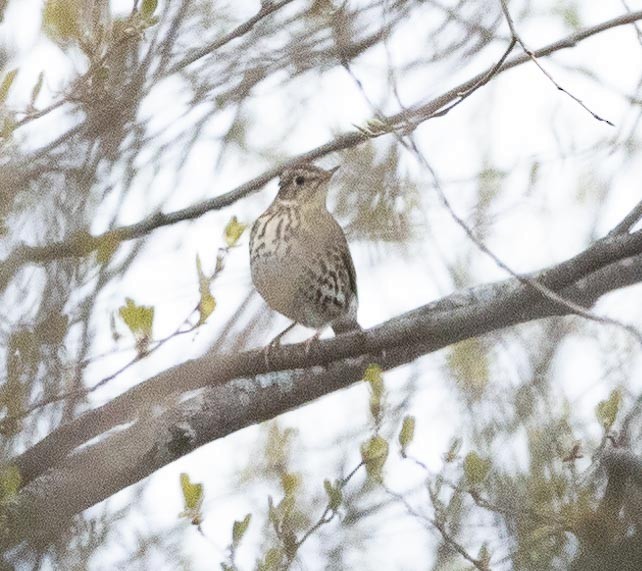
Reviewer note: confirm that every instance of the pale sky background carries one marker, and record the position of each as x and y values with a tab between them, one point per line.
508	121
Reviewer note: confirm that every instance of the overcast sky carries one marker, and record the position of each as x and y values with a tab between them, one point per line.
516	121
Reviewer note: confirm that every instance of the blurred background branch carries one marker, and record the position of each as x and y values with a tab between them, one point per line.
119	119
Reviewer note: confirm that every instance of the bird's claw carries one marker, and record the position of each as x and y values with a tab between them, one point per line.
308	344
274	344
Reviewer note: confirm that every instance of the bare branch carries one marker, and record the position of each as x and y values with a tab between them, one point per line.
536	285
413	116
532	56
407	141
267	8
440	526
483	81
242	391
328	513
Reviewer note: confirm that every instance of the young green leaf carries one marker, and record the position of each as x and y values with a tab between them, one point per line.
192	492
290	483
407	433
207	303
192	499
239	528
374	376
8	126
483	557
82	243
148	8
335	494
606	410
453	450
37	88
139	319
476	468
61	19
233	231
6	84
374	453
469	362
10	481
106	247
273	516
273	560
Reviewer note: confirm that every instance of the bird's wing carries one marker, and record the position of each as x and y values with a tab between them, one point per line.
342	250
328	236
352	274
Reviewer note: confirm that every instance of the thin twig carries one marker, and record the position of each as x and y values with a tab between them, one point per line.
267	8
635	25
94	66
414	115
545	291
483	81
441	528
406	139
328	514
533	58
157	344
33	115
82	392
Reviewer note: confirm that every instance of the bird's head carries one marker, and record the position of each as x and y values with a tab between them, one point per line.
305	183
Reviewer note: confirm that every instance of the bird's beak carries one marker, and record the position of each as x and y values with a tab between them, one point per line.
332	171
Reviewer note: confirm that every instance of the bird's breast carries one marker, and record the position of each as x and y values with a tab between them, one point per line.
300	265
272	233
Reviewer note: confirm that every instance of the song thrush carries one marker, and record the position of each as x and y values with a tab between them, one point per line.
299	255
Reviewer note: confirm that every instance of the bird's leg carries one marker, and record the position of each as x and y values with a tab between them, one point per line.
314	339
275	343
277	340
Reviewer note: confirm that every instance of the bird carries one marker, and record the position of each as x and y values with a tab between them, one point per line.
299	256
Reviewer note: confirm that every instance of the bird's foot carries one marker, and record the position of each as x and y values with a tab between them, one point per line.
308	344
275	344
271	346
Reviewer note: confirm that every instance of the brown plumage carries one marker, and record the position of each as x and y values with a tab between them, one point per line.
299	255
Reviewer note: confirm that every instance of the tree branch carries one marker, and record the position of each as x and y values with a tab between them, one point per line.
239	390
267	8
632	218
509	296
412	117
533	57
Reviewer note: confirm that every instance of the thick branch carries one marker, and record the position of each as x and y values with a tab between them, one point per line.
414	116
510	297
241	391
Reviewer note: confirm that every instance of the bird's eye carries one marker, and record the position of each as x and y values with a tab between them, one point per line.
299	180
